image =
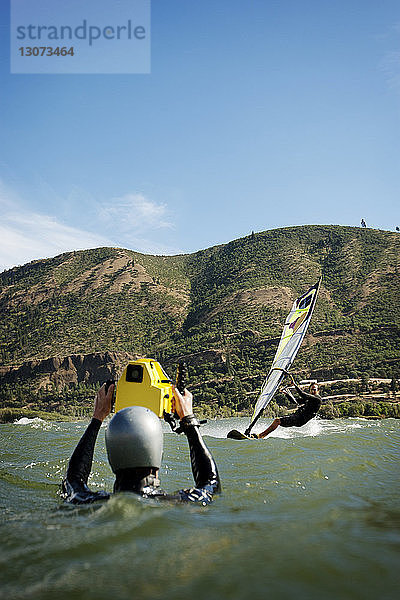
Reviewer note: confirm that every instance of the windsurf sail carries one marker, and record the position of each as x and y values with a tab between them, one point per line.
293	333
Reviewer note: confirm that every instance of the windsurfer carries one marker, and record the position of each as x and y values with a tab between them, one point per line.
310	404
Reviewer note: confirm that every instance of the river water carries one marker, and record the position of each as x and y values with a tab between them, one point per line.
307	513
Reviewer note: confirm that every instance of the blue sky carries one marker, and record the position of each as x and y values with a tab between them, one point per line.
257	114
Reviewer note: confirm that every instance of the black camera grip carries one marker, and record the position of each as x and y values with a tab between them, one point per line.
107	384
181	374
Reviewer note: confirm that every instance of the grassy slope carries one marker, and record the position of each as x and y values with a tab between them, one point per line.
232	298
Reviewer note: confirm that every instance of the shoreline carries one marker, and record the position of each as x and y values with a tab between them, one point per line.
11	415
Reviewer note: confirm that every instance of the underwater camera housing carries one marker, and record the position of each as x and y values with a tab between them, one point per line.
144	383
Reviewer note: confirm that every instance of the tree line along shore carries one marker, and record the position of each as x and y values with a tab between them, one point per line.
365	397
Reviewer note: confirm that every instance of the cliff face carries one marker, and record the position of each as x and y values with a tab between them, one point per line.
59	371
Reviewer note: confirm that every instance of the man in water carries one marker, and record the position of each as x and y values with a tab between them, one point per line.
310	404
134	442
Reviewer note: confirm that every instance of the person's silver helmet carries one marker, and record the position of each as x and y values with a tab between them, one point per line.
134	438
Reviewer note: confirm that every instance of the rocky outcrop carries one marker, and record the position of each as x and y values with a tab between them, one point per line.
62	371
215	357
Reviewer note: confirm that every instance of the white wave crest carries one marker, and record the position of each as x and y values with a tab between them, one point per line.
35	423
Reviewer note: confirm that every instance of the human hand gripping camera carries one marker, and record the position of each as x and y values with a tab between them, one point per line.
182	404
103	401
134	443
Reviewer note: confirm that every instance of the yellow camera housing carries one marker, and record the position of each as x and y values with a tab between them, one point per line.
144	383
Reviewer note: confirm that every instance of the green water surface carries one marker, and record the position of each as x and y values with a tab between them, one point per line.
308	513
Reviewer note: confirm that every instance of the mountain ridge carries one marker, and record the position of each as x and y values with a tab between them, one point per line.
231	298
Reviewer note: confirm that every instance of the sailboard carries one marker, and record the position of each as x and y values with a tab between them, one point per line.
293	333
234	434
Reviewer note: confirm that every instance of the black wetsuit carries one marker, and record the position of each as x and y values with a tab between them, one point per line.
205	472
305	412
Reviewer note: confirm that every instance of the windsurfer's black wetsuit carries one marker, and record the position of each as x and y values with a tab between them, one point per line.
205	472
308	410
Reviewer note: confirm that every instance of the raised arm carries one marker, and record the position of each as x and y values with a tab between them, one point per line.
204	469
303	395
74	485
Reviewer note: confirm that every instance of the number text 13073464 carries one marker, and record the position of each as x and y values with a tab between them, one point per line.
46	51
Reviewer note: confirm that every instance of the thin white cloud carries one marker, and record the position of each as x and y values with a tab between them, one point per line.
135	213
136	222
128	221
26	236
8	198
